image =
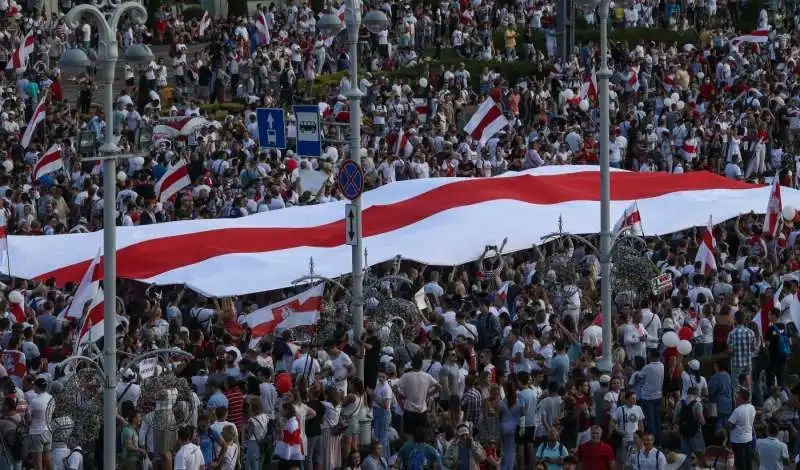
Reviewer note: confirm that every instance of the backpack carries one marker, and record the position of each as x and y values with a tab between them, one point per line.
14	439
416	461
783	343
688	422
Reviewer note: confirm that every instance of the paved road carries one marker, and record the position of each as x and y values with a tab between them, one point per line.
71	88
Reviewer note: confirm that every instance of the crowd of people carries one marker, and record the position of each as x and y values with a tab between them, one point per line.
504	370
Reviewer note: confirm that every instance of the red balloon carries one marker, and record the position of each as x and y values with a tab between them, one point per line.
685	333
283	383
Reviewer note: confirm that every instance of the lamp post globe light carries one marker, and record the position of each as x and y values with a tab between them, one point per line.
108	54
330	25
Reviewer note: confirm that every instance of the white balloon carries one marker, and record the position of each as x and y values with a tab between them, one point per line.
670	339
15	297
8	165
569	94
584	105
701	75
789	212
121	176
685	347
423	82
675	97
667	103
681	105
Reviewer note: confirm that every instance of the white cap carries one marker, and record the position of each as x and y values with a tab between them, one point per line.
694	364
605	378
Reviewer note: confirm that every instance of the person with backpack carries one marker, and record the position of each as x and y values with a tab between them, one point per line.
690	418
552	452
416	454
256	435
779	347
12	432
649	457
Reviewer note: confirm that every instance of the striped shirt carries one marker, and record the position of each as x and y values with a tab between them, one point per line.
235	406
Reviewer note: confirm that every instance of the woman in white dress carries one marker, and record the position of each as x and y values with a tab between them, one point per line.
331	432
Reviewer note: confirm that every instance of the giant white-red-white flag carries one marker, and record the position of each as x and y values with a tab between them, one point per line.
19	58
48	163
91	329
630	221
86	291
175	179
487	121
774	217
706	252
301	310
37	118
205	22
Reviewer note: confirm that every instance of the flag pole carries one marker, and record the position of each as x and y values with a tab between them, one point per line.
641	219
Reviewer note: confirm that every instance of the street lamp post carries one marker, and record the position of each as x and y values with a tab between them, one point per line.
375	21
108	54
603	75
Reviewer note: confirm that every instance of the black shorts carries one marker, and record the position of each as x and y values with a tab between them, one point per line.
131	81
525	437
413	421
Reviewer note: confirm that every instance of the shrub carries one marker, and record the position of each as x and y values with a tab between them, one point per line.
225	108
193	12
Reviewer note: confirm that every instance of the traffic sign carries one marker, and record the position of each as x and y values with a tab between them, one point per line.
350	179
271	128
309	132
351	228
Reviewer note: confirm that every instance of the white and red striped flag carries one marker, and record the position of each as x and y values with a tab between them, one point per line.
86	291
589	87
759	36
403	147
630	221
421	107
690	149
19	58
50	162
37	118
92	327
706	252
205	22
16	301
301	310
487	121
175	179
632	78
263	27
774	217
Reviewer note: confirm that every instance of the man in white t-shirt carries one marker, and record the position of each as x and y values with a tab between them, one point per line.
341	368
740	427
40	439
519	361
628	419
189	457
415	387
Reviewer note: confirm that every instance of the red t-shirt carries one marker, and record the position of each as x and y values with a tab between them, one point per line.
596	455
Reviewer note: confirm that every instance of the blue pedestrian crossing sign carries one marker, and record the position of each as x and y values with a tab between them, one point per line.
271	128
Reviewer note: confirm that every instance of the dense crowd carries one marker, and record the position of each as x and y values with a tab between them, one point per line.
503	370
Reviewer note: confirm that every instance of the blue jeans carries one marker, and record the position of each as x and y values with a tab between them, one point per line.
652	417
509	452
252	455
381	421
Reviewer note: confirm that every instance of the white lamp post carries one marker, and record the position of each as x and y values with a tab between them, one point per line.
330	25
108	54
